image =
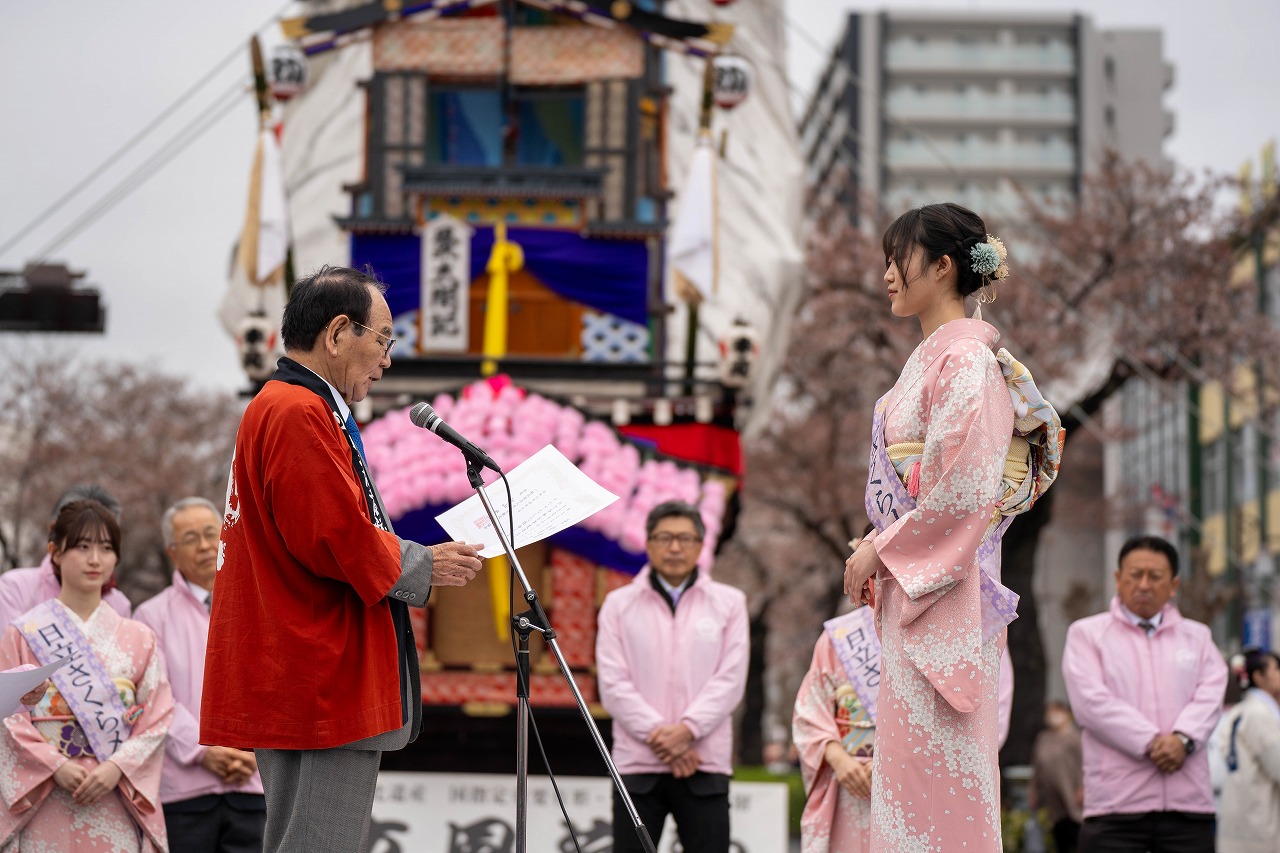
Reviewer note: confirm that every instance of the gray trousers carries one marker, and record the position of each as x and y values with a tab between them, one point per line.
318	799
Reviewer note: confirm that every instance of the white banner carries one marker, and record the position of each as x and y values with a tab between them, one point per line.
475	813
445	285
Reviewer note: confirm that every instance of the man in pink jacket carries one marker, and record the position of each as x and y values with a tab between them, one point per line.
671	653
212	796
1146	686
23	589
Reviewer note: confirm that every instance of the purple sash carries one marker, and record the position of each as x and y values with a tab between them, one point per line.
84	682
887	500
857	646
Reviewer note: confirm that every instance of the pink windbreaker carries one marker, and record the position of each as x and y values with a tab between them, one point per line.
1126	688
181	624
657	668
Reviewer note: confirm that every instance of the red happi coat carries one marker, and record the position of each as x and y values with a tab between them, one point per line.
302	649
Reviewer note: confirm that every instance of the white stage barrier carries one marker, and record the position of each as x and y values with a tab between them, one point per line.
475	813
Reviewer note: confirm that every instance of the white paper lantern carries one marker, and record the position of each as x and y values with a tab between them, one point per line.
731	80
287	71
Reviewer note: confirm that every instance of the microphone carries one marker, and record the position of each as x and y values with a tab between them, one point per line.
422	415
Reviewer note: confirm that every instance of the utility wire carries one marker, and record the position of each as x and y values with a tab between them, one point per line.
179	142
135	140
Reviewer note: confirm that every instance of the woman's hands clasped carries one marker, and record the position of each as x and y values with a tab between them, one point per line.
87	786
860	571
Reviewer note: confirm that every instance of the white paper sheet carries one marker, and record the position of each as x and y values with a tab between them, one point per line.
15	685
549	492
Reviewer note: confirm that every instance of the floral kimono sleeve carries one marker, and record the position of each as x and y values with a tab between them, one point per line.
813	723
142	755
27	760
968	424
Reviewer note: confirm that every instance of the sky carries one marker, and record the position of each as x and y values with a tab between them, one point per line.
78	80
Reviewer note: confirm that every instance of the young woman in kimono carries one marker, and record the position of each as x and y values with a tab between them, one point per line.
80	771
833	728
835	739
943	475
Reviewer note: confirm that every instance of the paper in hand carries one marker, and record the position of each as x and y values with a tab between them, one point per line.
549	492
18	683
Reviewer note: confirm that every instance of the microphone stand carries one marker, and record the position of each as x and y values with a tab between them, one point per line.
535	619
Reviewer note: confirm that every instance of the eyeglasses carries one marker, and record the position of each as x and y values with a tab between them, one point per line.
194	538
387	346
684	540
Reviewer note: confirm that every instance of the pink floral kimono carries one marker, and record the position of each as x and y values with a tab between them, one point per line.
828	709
940	615
40	816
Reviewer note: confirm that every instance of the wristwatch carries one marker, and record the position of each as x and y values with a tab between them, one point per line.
1188	745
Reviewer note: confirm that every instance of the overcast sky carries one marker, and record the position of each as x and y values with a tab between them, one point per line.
78	79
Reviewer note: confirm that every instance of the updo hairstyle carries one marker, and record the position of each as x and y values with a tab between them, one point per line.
1249	663
938	229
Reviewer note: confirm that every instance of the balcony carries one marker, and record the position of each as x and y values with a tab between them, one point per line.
984	107
559	182
910	56
1058	158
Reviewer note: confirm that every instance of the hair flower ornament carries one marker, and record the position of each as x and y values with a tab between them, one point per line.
989	259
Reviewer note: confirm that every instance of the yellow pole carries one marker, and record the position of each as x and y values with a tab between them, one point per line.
499	572
506	258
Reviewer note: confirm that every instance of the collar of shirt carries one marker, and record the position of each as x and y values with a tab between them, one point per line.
201	594
1137	620
674	591
343	408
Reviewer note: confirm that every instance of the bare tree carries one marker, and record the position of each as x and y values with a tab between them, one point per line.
150	439
1133	280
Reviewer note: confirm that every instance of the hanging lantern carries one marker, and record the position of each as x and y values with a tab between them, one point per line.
731	81
739	352
287	71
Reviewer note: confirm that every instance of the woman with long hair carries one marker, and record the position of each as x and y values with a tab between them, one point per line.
81	770
952	460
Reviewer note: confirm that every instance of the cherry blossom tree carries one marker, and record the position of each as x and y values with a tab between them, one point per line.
1132	280
148	438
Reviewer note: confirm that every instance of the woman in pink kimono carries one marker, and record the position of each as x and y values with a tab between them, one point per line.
834	733
938	494
80	771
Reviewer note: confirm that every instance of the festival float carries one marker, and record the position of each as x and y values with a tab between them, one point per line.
586	215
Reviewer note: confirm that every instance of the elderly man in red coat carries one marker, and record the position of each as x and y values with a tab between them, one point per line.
311	659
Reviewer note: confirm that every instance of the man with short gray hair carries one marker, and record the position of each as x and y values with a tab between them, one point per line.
212	796
312	660
23	589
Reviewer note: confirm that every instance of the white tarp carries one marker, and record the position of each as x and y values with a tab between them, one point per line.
323	144
759	189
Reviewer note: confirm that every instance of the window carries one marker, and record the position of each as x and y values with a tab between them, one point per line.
464	127
1212	480
550	128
